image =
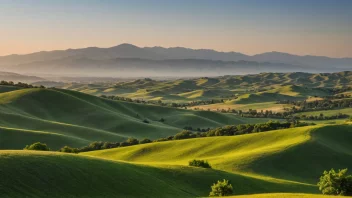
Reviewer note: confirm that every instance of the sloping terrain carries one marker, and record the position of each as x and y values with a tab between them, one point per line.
63	117
298	154
283	195
238	89
50	174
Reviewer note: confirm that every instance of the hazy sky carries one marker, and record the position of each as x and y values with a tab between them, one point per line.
315	27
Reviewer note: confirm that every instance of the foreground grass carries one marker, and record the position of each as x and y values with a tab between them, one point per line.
50	174
283	195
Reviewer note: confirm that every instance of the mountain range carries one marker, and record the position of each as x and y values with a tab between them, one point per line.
129	60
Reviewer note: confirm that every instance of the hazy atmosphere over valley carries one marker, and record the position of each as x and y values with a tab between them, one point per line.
164	98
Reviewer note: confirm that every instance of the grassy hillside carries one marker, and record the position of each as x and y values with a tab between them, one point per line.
283	195
347	111
270	106
49	174
76	119
298	154
263	87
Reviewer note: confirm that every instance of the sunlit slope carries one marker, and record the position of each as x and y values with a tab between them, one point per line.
49	174
282	195
86	118
298	154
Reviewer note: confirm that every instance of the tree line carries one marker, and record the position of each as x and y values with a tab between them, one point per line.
326	104
229	130
161	103
19	84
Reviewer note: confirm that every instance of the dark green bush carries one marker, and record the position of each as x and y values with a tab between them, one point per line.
67	149
336	183
199	163
145	141
132	141
184	135
38	146
146	121
221	188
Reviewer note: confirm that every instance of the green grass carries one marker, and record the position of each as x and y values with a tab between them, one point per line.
6	88
283	195
270	106
298	154
286	161
347	111
76	118
49	174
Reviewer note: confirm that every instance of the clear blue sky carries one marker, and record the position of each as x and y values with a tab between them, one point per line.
315	27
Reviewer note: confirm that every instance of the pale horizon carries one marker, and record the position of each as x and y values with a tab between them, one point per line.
318	28
63	49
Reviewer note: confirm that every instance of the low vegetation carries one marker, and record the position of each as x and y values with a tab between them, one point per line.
199	163
336	183
221	189
19	84
38	146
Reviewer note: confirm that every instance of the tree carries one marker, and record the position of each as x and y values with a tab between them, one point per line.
145	141
108	145
336	183
38	146
199	163
132	141
146	121
222	188
184	135
68	149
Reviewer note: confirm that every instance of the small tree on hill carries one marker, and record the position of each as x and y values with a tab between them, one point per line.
146	121
199	163
222	188
67	149
145	141
336	183
38	146
132	141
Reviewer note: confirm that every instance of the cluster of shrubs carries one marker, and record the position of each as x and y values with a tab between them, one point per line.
326	104
199	163
104	145
19	84
254	128
189	128
185	134
161	103
322	117
221	189
336	183
38	146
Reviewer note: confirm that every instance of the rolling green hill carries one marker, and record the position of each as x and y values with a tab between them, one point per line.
62	117
50	174
265	86
298	154
283	195
289	160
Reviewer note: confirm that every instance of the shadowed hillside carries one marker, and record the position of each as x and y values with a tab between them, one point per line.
62	117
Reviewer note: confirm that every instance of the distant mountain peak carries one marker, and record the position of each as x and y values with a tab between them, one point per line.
125	45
